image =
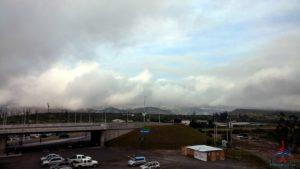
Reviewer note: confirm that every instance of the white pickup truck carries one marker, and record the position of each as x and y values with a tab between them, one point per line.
78	158
85	163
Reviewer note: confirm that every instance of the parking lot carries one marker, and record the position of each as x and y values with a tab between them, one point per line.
115	158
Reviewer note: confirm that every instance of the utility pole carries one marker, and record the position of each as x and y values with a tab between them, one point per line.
24	119
216	133
227	127
231	126
68	116
24	125
80	117
127	116
3	113
214	129
144	114
48	105
36	117
158	116
89	116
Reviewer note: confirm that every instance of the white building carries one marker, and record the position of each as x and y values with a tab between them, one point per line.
204	152
185	122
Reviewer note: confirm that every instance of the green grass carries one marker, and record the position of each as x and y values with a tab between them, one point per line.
248	157
161	137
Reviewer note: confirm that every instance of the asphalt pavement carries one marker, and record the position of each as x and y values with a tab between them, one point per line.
116	158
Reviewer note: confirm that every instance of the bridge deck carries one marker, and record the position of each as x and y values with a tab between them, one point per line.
68	127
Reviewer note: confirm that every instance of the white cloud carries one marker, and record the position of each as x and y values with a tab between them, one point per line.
95	53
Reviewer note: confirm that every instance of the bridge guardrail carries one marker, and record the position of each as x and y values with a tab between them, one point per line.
70	127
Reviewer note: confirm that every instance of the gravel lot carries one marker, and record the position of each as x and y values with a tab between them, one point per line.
115	158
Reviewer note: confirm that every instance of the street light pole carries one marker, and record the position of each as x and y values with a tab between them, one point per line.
144	108
214	129
89	116
159	113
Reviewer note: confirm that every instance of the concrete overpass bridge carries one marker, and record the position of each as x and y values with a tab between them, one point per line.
100	132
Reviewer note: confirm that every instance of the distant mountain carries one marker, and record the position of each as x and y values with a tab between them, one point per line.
179	110
112	110
150	110
200	110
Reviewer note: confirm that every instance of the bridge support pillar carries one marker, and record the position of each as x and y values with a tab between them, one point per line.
2	144
98	138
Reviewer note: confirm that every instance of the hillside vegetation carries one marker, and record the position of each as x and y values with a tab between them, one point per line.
161	137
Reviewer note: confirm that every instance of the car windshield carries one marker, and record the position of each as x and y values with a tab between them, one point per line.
73	157
139	158
53	159
50	156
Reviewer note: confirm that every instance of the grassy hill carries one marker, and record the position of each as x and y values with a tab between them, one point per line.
161	137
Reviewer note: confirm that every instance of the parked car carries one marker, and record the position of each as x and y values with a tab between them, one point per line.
85	163
52	161
62	165
151	165
49	156
137	160
243	136
64	135
78	158
35	135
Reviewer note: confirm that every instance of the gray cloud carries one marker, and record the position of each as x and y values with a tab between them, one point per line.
268	80
36	34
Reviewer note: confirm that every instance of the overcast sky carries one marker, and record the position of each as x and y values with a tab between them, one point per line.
95	53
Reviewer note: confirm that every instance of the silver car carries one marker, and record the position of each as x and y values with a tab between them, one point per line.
151	165
136	161
62	165
49	156
52	161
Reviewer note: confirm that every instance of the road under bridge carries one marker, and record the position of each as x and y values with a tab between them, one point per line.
100	132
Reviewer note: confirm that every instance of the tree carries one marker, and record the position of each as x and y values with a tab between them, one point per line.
223	117
292	136
193	124
286	131
282	129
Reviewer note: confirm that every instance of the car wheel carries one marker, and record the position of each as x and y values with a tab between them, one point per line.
79	167
95	165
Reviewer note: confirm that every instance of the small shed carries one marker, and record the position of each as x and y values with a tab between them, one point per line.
204	152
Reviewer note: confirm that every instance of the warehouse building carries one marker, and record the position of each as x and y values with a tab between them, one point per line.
203	152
